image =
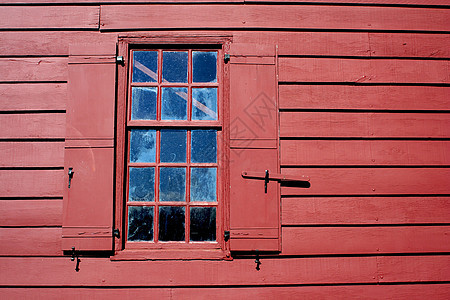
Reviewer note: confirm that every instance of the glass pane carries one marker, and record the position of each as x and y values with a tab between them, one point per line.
171	223
204	146
203	184
142	145
143	104
203	224
173	145
141	184
175	66
204	66
204	104
174	104
145	66
140	223
172	184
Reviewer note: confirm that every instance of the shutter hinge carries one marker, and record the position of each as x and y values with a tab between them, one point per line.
75	255
120	60
226	235
116	233
226	58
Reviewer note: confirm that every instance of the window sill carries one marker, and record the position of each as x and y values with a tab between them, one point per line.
172	254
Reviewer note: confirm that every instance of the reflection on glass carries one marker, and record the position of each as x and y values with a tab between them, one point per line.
175	66
204	66
204	146
204	104
174	104
140	223
141	184
173	145
171	223
203	224
172	184
203	184
143	103
142	145
145	66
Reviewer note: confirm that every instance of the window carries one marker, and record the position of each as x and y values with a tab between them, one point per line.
173	148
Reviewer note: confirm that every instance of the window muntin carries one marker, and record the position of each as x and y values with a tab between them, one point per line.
174	132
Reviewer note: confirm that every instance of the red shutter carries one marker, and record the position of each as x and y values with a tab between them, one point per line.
89	149
254	209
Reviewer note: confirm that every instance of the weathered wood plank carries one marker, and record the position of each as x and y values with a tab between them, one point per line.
365	240
24	17
364	153
362	2
31	212
363	70
33	69
45	125
270	16
367	125
33	96
371	181
364	97
365	210
31	183
30	241
389	2
31	154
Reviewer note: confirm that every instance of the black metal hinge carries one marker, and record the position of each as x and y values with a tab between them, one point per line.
226	235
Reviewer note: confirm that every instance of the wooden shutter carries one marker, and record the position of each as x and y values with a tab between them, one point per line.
254	210
89	148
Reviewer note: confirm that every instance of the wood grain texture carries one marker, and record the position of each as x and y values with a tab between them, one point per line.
24	17
365	210
33	69
33	96
30	241
31	154
31	183
30	212
43	125
364	97
371	181
364	240
364	153
364	125
363	70
269	16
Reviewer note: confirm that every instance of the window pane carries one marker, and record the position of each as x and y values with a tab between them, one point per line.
174	104
143	103
204	66
173	145
140	223
171	223
204	104
203	224
172	184
142	145
145	66
203	184
204	146
141	184
175	66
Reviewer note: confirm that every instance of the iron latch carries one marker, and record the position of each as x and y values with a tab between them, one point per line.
70	173
274	177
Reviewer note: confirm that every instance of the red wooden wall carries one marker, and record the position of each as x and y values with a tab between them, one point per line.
364	92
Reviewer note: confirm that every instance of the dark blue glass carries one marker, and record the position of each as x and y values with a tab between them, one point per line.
175	66
140	223
203	224
142	145
204	66
172	184
174	104
173	146
204	146
141	186
143	103
145	66
204	104
203	184
171	223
